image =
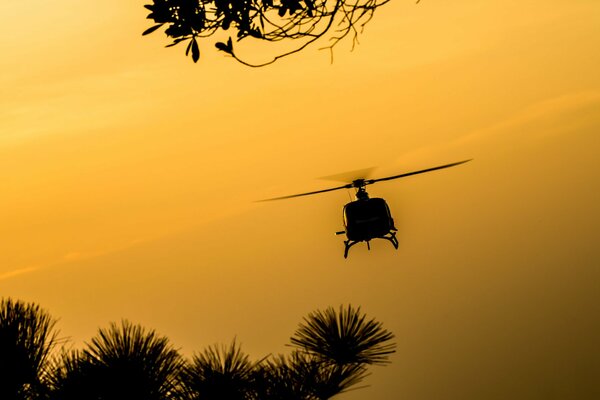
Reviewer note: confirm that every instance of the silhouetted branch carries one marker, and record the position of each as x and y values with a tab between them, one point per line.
261	20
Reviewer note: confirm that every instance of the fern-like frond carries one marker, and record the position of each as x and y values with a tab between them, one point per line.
344	337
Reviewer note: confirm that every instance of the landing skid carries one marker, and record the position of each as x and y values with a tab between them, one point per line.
390	236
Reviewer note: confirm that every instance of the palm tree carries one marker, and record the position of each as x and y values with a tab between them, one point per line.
302	376
332	351
344	338
27	337
283	378
122	362
219	372
331	355
335	348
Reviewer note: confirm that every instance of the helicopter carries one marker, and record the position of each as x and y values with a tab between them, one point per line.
367	218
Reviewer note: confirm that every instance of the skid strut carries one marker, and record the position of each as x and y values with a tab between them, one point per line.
391	237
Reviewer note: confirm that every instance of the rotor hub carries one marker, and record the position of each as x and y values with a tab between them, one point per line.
358	183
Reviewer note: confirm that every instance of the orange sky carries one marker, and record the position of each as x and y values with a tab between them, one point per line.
127	173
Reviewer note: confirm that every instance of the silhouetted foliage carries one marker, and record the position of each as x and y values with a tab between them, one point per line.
127	362
281	377
27	337
302	376
346	337
333	350
71	376
302	22
122	362
219	373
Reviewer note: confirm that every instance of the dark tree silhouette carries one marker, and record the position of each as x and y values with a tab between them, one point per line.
298	22
331	353
344	338
335	348
27	337
71	376
123	362
220	373
282	377
301	376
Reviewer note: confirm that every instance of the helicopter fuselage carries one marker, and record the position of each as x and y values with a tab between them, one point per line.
366	219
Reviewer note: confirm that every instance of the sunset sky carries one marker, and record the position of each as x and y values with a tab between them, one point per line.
128	176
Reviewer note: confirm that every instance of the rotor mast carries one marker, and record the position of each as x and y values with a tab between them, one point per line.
361	192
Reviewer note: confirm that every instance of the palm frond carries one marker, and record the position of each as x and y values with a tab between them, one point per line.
122	362
344	337
220	372
280	378
71	376
304	376
27	336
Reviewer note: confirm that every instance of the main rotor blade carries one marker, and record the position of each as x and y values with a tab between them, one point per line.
348	186
370	181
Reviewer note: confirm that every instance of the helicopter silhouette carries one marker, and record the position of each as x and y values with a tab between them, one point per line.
367	218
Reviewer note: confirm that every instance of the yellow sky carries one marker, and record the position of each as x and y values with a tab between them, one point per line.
127	174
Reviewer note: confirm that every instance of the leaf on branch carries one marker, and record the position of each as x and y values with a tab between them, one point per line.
176	41
151	29
223	47
195	50
255	33
226	47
